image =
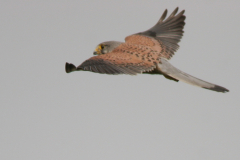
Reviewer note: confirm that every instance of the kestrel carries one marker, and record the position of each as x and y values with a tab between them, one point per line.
145	52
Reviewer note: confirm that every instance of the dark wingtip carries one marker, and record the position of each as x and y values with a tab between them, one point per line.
70	67
163	16
218	89
174	12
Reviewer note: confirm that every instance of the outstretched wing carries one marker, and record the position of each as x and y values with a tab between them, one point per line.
168	32
142	51
125	59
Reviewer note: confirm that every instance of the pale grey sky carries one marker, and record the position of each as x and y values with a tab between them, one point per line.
48	114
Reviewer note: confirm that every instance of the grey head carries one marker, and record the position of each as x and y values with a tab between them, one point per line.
106	47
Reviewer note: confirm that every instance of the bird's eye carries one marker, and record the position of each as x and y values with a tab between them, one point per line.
102	46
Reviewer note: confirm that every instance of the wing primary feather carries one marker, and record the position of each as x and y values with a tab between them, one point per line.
168	31
114	71
127	71
69	67
108	70
172	15
96	69
174	12
101	69
163	16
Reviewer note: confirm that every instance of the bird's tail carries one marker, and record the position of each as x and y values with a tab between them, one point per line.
69	67
168	69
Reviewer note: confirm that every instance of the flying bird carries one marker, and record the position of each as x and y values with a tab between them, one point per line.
145	52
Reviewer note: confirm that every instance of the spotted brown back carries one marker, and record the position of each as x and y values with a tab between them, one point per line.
127	58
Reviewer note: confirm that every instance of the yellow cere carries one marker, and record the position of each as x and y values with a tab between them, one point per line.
98	49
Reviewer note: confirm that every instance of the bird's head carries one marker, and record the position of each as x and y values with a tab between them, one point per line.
106	47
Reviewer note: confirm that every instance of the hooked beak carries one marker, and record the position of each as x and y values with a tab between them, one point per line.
97	51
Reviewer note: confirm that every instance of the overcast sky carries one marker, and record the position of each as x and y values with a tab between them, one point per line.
47	114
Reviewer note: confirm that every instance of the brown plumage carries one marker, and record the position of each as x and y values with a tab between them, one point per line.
144	52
